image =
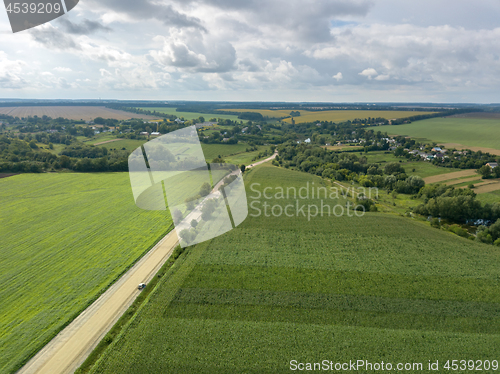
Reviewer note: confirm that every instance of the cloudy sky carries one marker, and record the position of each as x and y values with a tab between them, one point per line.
282	50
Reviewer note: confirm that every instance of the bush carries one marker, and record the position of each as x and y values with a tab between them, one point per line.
435	223
483	235
393	168
459	231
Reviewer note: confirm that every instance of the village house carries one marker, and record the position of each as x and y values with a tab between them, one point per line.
492	164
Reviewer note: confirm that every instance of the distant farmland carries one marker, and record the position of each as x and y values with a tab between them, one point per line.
86	113
473	133
192	115
331	115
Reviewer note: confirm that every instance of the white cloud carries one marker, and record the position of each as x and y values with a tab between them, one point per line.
62	69
369	73
256	46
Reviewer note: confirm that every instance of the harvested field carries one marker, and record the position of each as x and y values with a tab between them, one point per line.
448	176
491	185
86	113
462	180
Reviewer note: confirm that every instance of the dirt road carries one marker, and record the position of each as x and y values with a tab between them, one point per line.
108	141
261	162
67	351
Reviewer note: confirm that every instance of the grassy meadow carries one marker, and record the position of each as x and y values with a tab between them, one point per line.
378	287
471	132
65	239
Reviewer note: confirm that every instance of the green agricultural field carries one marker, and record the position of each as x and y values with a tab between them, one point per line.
212	151
246	158
65	239
470	132
193	115
378	287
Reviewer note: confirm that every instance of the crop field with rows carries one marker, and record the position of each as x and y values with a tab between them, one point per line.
64	239
287	288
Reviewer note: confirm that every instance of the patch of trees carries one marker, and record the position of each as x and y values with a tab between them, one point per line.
487	172
84	151
489	235
251	116
471	160
347	167
456	205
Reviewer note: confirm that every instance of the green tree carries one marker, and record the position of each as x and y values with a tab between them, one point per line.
208	209
495	230
399	151
393	168
177	215
189	203
205	189
485	171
